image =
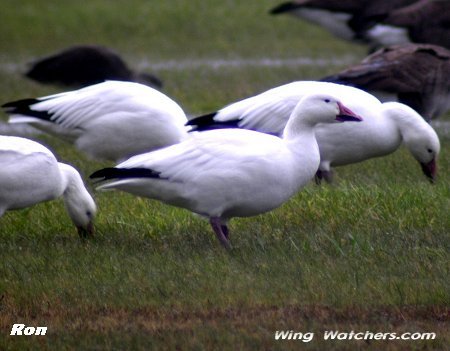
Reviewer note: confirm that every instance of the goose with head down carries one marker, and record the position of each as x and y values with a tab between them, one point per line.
222	174
385	126
30	174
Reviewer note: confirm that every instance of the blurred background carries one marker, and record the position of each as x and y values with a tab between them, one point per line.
194	47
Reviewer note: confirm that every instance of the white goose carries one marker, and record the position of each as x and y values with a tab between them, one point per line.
111	120
30	174
231	173
385	127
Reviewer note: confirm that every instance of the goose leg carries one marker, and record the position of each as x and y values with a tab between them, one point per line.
321	174
225	230
221	231
318	177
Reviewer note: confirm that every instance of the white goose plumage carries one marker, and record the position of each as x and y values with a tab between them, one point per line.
30	174
112	120
385	126
231	173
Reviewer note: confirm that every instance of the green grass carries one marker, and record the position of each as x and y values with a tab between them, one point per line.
370	252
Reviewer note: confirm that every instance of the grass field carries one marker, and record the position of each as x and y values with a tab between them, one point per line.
370	252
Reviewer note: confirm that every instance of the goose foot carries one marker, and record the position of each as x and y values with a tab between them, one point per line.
327	175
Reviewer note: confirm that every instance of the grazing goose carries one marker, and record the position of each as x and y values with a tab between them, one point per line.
30	174
346	19
424	21
381	134
385	127
83	65
417	73
231	173
112	120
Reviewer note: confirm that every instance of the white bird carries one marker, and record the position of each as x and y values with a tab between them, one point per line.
30	174
113	120
385	127
231	173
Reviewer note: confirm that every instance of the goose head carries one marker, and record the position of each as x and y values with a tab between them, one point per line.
418	136
83	216
425	148
318	108
78	202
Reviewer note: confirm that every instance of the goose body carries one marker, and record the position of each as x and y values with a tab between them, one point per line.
333	15
423	21
385	126
381	134
30	174
82	65
333	22
348	19
112	120
416	73
222	174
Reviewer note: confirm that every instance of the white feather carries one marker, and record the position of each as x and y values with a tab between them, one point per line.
385	126
111	120
30	174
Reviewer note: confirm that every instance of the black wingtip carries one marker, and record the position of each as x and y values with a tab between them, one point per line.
202	123
208	118
207	122
283	8
123	173
23	107
20	104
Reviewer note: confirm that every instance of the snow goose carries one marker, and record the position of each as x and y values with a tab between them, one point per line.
381	133
82	65
383	130
424	21
30	174
416	73
222	174
112	120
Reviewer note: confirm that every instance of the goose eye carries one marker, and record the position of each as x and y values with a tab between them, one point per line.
430	150
327	100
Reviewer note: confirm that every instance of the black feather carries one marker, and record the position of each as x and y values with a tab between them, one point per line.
207	122
124	173
22	107
83	65
80	66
